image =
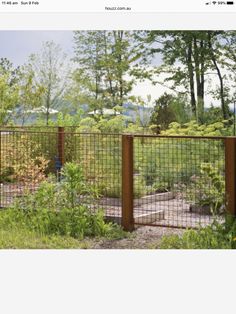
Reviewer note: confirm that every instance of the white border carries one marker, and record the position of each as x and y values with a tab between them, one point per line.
128	21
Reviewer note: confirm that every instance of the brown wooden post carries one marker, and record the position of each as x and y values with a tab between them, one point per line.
61	145
127	219
230	175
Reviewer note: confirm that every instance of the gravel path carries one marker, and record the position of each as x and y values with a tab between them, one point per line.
142	238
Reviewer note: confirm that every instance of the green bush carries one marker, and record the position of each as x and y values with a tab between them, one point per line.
194	129
208	189
60	208
22	159
215	236
140	188
113	187
173	161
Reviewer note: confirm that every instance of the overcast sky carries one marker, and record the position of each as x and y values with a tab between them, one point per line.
18	45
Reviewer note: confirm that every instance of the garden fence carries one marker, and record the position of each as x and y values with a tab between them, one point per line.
171	181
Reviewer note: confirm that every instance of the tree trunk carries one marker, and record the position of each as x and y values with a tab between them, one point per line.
118	43
199	79
48	102
108	72
191	77
224	108
202	70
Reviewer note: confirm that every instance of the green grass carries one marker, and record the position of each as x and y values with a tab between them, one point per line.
24	239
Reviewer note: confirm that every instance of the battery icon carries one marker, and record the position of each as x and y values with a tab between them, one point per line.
230	2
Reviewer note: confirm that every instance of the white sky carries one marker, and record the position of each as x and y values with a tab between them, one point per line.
145	88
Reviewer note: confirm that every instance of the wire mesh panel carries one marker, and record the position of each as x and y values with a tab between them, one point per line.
30	156
27	157
99	155
178	181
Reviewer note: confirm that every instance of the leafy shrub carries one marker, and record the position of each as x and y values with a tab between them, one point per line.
88	125
140	188
194	129
169	108
113	187
22	160
66	119
158	187
170	161
215	236
74	186
60	208
113	125
110	187
208	189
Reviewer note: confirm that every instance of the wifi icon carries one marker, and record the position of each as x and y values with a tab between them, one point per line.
214	2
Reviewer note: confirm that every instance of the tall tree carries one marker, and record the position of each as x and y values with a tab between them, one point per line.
215	55
88	74
104	60
187	58
30	94
9	89
228	49
51	69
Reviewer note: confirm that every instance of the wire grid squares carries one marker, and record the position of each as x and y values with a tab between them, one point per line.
27	157
99	155
176	180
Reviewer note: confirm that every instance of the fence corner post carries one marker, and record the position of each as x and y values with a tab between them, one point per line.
230	176
61	145
127	219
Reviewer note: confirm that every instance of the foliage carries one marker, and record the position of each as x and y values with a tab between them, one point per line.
158	187
171	162
51	70
60	208
108	64
169	108
66	119
22	160
140	188
114	125
192	128
103	60
212	115
88	125
9	89
134	128
215	236
30	96
74	187
187	57
207	190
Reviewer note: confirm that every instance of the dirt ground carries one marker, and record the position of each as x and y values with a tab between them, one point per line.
142	238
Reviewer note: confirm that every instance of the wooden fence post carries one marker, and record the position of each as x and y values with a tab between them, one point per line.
230	175
61	145
127	219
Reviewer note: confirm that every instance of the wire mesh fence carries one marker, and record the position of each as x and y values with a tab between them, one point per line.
30	156
175	181
179	182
